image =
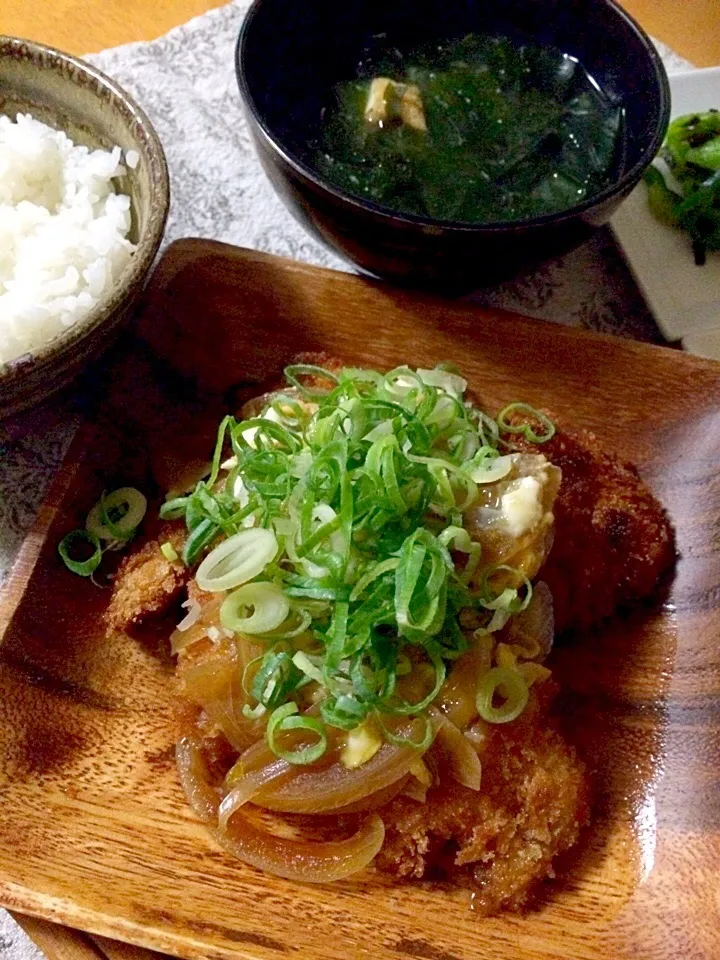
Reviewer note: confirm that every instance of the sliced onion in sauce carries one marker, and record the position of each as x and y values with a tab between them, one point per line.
458	694
213	681
323	791
195	779
454	754
194	612
302	860
533	629
477	735
208	616
415	790
245	787
373	801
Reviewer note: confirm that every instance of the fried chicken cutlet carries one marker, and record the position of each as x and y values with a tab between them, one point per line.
502	841
613	540
147	584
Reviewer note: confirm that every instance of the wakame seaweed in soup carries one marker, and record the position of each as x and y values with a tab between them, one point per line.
480	130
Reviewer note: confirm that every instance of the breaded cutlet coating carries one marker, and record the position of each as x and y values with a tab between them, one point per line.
147	584
613	540
500	842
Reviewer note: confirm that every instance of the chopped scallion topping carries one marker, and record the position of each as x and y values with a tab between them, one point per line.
85	540
527	429
110	524
506	684
286	719
117	515
336	518
169	552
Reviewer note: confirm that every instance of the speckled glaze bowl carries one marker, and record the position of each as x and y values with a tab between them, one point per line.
71	95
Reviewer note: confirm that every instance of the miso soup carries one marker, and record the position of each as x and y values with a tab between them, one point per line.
480	130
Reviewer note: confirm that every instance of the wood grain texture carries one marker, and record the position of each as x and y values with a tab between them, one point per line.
692	29
82	26
85	724
64	943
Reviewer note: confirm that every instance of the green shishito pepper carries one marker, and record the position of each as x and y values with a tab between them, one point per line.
692	153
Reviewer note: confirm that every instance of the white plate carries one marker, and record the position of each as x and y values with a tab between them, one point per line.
684	298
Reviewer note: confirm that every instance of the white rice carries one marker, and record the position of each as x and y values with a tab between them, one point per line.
63	231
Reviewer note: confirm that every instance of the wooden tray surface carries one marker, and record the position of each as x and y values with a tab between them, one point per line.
95	831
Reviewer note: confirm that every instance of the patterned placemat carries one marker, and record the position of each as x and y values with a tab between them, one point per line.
186	83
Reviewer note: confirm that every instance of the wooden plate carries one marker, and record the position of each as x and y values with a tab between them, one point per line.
95	831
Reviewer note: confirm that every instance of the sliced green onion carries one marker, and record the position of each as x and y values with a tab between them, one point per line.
303	662
456	537
404	706
358	375
307	588
509	598
217	453
498	620
237	560
285	719
337	634
420	582
327	524
301	463
298	622
421	743
401	381
200	537
248	677
296	370
492	469
526	429
344	712
373	673
452	383
117	515
296	418
499	681
459	539
487	428
173	509
270	608
276	679
83	568
382	429
262	434
169	552
377	570
254	713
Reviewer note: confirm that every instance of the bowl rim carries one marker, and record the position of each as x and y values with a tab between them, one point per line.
626	182
148	241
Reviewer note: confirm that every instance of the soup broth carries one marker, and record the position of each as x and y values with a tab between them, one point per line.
478	130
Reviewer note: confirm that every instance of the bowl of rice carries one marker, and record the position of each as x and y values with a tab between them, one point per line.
84	197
